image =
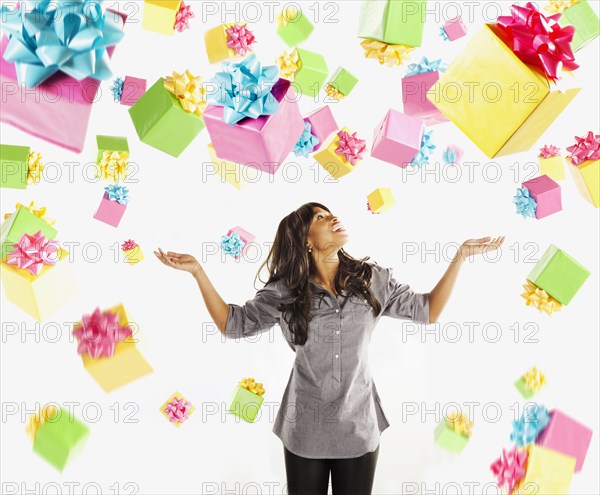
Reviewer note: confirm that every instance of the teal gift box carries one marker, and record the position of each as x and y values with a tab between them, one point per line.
111	144
396	22
312	73
14	166
585	21
22	222
245	404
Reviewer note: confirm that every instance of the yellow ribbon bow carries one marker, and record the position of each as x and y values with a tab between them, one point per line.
252	386
189	91
284	17
38	212
539	298
113	165
558	6
332	92
386	54
534	379
39	418
34	167
459	423
288	64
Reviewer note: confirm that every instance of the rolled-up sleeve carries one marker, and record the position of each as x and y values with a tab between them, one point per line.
399	301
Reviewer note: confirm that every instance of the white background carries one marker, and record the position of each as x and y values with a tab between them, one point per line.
179	205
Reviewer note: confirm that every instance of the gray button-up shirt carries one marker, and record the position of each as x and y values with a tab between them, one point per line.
330	407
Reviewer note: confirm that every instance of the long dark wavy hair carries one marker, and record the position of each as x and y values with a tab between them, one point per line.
290	261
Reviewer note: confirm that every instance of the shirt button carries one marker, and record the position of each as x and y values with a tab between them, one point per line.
337	310
337	331
337	356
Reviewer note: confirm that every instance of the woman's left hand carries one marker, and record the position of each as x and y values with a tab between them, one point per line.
473	247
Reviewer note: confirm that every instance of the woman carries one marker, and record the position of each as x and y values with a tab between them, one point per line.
327	304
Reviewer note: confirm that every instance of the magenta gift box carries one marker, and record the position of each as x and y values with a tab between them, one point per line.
455	28
245	236
567	436
546	194
397	138
110	212
261	143
414	97
322	124
133	89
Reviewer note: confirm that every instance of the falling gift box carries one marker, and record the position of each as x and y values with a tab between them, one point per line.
478	93
454	29
54	102
132	91
552	163
530	383
558	274
581	16
584	164
230	172
25	220
340	153
397	139
108	350
546	194
453	432
547	472
340	84
236	242
308	71
380	200
159	15
113	154
133	252
293	26
418	80
396	22
113	205
177	409
322	124
247	399
14	166
228	41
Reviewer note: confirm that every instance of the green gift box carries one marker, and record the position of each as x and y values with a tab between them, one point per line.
22	222
312	74
585	21
526	392
343	81
449	439
558	274
14	166
245	404
396	22
111	144
293	26
60	438
161	122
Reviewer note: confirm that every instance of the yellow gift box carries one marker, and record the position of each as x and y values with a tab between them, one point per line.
336	164
230	172
499	102
553	167
42	294
160	15
381	200
215	40
134	255
587	179
124	366
176	395
548	472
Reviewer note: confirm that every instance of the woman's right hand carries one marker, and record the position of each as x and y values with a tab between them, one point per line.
185	262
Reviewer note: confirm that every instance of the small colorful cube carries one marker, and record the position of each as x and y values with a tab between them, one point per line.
112	157
236	242
177	409
453	432
340	84
453	29
14	166
228	41
548	471
398	138
113	205
380	200
230	172
552	163
322	124
293	26
24	220
546	196
132	91
159	15
584	164
530	383
341	152
133	252
247	399
308	72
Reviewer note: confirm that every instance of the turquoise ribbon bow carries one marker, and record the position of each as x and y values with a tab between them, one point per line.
444	34
232	244
425	66
532	422
50	36
427	147
307	142
117	89
117	193
526	205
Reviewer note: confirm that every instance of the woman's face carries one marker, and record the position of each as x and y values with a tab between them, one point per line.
326	231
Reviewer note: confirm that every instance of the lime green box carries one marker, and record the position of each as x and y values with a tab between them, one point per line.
294	27
396	22
312	74
449	439
527	393
111	143
585	21
14	166
245	404
343	81
22	222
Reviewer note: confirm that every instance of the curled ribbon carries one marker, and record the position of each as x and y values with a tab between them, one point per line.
189	90
526	205
232	244
558	6
532	422
539	40
99	333
548	151
113	165
539	298
424	66
289	64
350	146
424	153
384	53
252	386
510	468
585	148
117	89
534	379
444	34
459	423
240	38
34	167
333	92
178	410
452	155
117	193
127	245
182	18
38	212
307	142
32	252
36	420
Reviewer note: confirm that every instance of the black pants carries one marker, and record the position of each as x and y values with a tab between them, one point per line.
348	476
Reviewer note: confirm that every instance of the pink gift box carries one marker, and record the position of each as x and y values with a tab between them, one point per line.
261	143
546	194
397	138
455	28
567	436
133	89
246	236
110	212
414	97
322	124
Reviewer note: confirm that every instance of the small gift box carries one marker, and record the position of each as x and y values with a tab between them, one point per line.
132	90
380	200
293	26
547	471
453	29
113	205
453	432
567	436
397	139
57	435
341	152
558	274
159	15
340	84
230	172
133	252
112	158
551	163
247	399
228	41
36	277
19	166
169	115
530	383
538	197
24	220
177	409
584	164
509	469
418	80
478	91
393	21
308	70
580	15
531	423
254	119
236	242
322	124
385	53
108	349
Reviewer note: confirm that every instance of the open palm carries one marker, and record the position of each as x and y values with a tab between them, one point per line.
472	247
184	262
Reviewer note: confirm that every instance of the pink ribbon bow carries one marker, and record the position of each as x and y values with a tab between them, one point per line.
178	410
548	151
100	333
182	19
540	40
127	245
32	252
509	469
585	148
351	147
239	38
